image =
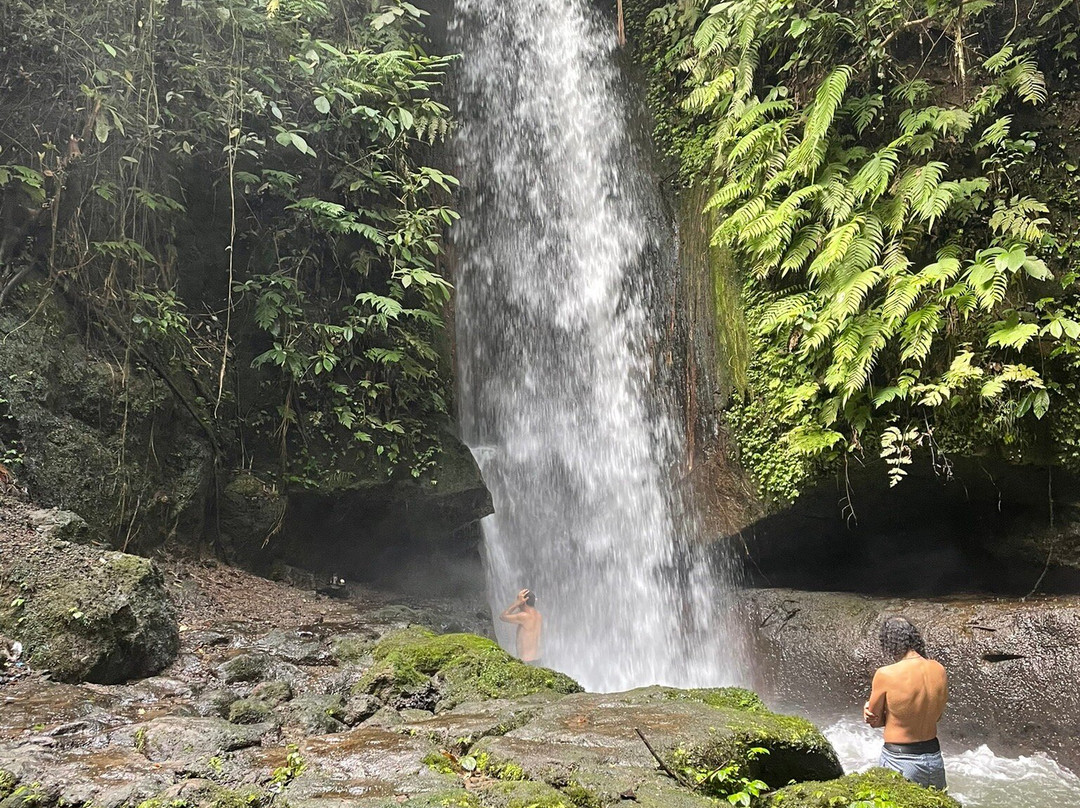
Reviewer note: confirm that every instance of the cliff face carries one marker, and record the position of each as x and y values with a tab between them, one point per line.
988	481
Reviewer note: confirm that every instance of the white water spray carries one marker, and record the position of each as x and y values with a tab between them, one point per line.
978	778
558	248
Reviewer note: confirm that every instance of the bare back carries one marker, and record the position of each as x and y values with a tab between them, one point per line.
529	623
910	695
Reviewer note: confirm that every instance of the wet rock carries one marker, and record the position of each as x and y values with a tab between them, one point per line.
362	764
468	723
359	708
86	614
214	702
62	402
189	744
384	718
450	669
353	649
875	787
246	667
250	711
592	738
273	693
317	715
399	615
109	778
249	515
1012	665
298	647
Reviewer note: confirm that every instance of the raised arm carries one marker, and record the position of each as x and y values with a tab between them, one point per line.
875	707
511	614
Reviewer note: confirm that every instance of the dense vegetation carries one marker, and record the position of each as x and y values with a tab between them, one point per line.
235	192
896	185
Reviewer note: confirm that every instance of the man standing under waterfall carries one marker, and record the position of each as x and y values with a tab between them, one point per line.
908	698
529	621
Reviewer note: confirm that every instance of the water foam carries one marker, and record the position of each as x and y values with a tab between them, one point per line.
979	778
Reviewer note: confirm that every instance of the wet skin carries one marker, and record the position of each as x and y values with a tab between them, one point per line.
908	698
529	622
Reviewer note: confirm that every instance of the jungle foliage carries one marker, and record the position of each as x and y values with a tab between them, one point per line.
236	192
899	183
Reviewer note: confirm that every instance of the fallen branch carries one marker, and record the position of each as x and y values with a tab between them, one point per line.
667	769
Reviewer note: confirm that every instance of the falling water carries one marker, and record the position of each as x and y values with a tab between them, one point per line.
560	242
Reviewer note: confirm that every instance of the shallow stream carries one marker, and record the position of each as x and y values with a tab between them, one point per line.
978	777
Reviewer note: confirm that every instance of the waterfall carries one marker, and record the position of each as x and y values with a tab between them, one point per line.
558	323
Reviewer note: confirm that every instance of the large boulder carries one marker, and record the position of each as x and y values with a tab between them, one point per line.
1012	664
86	614
594	740
417	668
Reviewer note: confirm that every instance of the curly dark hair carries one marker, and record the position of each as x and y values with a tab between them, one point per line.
898	636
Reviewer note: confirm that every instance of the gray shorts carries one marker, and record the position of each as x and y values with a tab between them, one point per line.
927	769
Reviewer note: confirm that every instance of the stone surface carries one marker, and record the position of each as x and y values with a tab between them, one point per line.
316	714
76	413
88	614
1012	665
56	524
593	739
249	515
362	763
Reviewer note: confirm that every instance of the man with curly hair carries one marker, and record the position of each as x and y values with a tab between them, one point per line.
907	699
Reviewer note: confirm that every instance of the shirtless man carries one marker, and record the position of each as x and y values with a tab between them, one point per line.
907	699
528	620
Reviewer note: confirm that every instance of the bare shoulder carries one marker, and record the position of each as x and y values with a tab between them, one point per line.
885	672
937	667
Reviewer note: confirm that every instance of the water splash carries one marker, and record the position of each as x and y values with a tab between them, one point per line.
978	778
558	248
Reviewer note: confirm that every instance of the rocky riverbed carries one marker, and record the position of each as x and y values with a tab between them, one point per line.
276	694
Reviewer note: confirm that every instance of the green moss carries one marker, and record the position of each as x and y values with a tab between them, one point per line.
877	787
8	782
524	794
796	749
733	698
438	762
469	668
28	796
507	771
351	649
249	711
581	796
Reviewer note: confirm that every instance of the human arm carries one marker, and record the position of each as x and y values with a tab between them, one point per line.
875	707
511	614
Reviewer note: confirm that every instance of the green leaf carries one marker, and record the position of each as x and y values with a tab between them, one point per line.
322	104
1041	404
1011	333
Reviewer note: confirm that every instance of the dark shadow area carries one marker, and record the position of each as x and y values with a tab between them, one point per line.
989	528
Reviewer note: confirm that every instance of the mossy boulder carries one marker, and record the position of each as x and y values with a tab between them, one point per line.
87	614
449	669
877	787
696	731
250	711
